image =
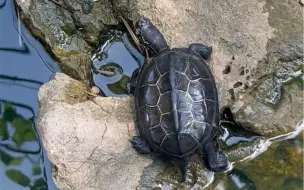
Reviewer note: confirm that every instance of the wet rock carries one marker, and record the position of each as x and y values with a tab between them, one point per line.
161	175
293	183
88	141
247	150
55	27
251	41
274	103
68	29
92	17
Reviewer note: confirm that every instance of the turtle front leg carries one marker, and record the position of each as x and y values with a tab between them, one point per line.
200	50
132	82
140	145
217	161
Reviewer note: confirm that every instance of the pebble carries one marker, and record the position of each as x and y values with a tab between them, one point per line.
95	90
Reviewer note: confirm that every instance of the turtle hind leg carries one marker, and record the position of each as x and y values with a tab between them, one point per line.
200	50
217	161
140	145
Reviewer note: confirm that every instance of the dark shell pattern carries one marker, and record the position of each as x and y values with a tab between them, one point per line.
177	103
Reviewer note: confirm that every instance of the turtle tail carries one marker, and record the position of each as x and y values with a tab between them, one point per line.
183	165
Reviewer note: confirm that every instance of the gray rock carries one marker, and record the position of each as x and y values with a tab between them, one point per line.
62	89
88	141
92	17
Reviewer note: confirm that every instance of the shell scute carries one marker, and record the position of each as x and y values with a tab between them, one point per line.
151	95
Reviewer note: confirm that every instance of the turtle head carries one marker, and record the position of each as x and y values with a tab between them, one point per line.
151	35
142	23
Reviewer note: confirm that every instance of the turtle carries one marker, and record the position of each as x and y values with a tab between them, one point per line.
176	102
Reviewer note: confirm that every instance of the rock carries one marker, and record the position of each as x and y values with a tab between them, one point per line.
248	151
92	17
62	89
68	31
251	40
55	27
166	176
88	141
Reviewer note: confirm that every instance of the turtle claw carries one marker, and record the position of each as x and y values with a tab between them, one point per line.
140	145
217	161
137	31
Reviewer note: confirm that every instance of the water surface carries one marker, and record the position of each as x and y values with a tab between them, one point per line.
116	54
24	67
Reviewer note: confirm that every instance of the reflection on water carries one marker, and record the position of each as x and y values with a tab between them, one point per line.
118	56
20	149
279	167
24	67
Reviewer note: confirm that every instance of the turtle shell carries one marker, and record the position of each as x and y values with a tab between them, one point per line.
177	103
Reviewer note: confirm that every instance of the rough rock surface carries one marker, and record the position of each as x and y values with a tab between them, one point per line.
88	141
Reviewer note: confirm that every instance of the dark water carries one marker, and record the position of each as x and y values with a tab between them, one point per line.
24	67
278	168
118	55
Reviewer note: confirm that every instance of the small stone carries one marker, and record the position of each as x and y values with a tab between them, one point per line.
95	90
